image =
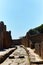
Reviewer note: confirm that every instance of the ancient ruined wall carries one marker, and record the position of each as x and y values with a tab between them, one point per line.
29	42
25	41
21	41
16	42
37	37
7	40
38	48
42	49
38	43
5	36
1	40
2	29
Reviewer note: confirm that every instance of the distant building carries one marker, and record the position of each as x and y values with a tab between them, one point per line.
16	42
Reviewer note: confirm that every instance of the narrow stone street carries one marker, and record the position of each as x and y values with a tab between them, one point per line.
21	56
18	57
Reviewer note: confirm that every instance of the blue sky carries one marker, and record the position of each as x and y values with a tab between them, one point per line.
21	15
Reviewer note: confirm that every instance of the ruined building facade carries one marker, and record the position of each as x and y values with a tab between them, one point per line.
5	36
38	43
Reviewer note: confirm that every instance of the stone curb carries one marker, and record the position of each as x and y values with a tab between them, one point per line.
2	58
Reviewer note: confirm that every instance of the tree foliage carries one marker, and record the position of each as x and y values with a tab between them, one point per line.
36	30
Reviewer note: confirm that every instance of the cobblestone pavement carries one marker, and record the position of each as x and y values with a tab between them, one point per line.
18	57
